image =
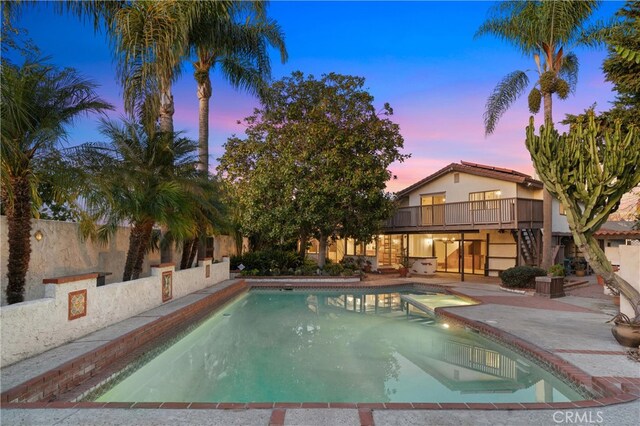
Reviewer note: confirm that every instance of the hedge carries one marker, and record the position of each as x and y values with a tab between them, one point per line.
521	276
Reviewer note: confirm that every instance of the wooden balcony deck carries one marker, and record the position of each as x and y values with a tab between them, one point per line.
505	213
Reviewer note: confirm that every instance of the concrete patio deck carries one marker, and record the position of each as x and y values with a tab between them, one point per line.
572	328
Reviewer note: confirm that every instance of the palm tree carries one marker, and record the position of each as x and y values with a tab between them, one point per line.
240	50
208	212
151	40
143	179
544	31
39	102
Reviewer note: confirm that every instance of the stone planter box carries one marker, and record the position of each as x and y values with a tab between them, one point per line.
425	266
550	287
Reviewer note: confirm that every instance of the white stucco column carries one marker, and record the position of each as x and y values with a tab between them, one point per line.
630	272
165	271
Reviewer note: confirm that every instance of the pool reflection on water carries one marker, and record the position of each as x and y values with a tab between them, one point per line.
335	347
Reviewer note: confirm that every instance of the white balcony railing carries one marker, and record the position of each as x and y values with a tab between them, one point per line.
506	212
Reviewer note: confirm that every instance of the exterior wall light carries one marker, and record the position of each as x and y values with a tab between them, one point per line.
38	235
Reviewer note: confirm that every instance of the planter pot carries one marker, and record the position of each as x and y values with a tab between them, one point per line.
551	287
600	280
403	272
580	273
627	334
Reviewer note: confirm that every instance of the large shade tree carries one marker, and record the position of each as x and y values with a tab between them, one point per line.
544	31
588	171
314	162
39	103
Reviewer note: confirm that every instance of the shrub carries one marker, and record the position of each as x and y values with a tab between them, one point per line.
350	263
309	267
268	262
333	269
521	276
557	270
356	263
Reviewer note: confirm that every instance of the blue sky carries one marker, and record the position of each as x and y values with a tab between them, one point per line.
421	57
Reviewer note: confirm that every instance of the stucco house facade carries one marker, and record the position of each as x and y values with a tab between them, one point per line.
472	218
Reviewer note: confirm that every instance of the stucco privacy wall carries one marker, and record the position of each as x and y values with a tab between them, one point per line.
62	252
32	327
629	257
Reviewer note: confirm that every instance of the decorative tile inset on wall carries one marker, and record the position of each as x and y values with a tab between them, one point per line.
77	304
207	271
167	285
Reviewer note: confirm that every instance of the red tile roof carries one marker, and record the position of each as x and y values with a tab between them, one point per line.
618	229
478	170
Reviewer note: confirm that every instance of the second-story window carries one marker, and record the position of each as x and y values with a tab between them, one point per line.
484	199
432	199
432	210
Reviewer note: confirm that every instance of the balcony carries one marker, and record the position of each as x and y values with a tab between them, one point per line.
505	213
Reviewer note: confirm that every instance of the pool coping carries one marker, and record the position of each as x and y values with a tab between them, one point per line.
78	372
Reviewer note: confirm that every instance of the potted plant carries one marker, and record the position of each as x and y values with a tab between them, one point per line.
580	266
556	270
405	264
626	330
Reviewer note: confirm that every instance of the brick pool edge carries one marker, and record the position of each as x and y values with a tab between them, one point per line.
76	375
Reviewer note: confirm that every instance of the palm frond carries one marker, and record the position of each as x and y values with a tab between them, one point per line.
503	96
569	71
528	24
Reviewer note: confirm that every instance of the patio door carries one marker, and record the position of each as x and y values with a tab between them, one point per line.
389	250
474	256
448	254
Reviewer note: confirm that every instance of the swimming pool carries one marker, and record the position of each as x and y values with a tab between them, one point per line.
320	346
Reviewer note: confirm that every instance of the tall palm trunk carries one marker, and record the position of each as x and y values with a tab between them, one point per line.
166	108
145	238
202	68
19	230
189	250
166	126
194	252
547	200
132	252
204	95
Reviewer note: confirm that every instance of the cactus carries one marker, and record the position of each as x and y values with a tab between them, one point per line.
589	171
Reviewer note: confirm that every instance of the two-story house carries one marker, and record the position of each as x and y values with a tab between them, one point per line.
472	218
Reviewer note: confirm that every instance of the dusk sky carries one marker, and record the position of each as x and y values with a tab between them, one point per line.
421	57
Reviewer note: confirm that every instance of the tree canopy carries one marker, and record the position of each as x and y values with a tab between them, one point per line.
315	161
622	66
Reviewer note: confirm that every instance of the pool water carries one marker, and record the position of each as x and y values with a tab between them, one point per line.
329	347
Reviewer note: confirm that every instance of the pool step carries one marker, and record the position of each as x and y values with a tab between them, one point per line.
421	320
